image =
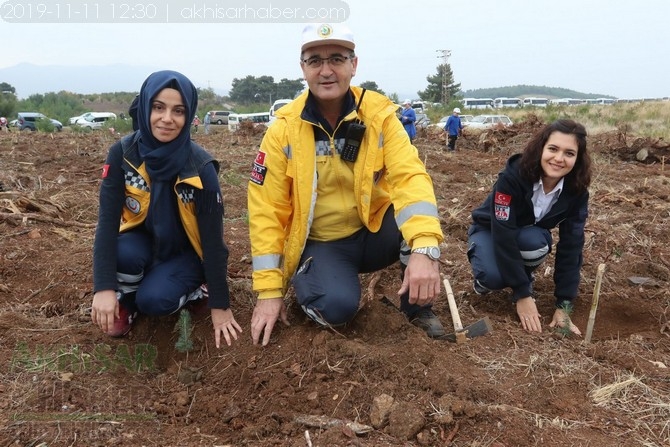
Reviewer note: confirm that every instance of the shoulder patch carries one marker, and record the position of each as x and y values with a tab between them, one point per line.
260	158
105	171
502	212
258	173
502	199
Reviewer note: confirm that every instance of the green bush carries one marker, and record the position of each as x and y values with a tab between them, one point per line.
119	125
45	125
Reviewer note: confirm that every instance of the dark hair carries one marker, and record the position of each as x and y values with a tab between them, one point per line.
577	180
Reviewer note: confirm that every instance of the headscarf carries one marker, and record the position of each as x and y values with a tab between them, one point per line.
163	160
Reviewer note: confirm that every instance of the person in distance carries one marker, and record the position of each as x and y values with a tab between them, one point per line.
408	119
336	189
544	187
453	128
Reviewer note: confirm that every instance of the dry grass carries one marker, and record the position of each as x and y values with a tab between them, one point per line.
646	119
649	408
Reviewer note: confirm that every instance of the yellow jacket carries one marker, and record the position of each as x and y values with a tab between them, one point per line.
138	194
282	190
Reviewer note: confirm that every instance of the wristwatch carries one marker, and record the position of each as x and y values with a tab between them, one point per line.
432	252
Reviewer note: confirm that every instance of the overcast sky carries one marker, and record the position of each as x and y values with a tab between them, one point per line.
612	47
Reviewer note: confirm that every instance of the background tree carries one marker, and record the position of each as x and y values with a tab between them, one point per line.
252	89
433	93
206	94
267	91
372	85
289	88
7	100
60	106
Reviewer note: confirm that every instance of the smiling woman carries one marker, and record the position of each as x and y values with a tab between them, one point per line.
170	240
167	115
510	236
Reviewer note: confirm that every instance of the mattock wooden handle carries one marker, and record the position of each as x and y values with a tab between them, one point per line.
453	309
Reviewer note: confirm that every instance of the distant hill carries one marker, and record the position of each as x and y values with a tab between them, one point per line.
29	79
524	91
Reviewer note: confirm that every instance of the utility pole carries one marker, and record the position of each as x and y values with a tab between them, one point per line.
444	55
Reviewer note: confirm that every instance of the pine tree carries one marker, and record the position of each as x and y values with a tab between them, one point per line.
434	92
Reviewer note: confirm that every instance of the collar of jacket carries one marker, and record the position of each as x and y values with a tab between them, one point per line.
373	105
188	173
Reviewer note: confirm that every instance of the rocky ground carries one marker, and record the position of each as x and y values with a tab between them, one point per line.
377	382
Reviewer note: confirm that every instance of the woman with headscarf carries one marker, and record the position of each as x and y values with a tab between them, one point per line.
164	190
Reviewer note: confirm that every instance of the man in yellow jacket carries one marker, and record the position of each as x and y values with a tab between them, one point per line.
337	189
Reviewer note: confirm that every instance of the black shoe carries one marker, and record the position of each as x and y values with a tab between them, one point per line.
479	288
428	321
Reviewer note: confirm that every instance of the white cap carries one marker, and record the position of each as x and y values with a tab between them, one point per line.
316	34
457	110
407	101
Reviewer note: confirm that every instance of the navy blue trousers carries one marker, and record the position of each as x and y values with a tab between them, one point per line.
327	285
159	287
534	244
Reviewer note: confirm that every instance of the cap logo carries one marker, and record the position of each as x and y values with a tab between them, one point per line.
325	31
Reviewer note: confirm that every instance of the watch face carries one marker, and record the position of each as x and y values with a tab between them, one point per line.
431	252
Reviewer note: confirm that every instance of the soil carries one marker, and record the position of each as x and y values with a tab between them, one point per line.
378	381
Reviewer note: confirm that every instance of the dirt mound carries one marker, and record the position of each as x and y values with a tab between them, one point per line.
377	382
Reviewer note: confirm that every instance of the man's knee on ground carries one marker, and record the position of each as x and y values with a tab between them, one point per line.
333	312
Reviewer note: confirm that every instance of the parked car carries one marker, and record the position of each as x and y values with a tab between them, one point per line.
74	119
27	120
95	120
489	121
465	119
219	116
422	121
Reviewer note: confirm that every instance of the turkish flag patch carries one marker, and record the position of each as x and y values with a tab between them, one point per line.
105	171
260	158
502	199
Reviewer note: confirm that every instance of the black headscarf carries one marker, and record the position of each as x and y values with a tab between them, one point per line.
164	160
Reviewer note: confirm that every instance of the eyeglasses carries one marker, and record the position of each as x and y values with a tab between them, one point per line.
335	61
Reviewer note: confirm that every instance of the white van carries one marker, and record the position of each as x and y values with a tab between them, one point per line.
95	120
219	116
278	104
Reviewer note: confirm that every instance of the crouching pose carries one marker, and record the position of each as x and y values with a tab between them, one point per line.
336	190
164	191
544	187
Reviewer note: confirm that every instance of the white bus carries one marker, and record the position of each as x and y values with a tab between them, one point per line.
477	103
500	103
261	118
535	102
567	102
